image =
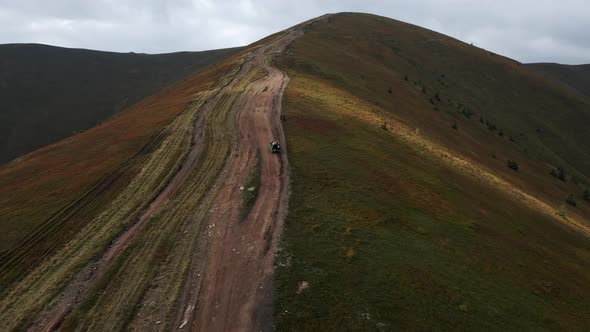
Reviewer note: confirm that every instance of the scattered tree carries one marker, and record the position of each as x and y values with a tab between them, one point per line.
586	195
467	113
389	91
561	212
512	164
454	126
559	173
570	200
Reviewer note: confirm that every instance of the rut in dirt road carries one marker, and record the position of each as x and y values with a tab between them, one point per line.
75	291
233	289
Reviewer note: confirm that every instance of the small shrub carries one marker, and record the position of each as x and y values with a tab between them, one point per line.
384	126
467	113
389	91
424	90
405	77
512	164
454	126
559	173
570	200
437	96
586	195
481	120
561	212
248	194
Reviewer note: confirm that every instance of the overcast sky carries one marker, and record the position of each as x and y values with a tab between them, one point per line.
526	30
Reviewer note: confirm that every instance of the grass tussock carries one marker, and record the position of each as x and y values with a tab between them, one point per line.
250	189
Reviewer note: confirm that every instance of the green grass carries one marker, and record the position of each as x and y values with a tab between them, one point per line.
249	197
390	236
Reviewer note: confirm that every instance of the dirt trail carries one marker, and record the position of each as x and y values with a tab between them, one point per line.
229	285
231	290
74	292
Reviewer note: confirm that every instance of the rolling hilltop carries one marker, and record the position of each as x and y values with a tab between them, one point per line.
423	184
404	212
48	93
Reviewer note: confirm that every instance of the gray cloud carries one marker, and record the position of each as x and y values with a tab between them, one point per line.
526	30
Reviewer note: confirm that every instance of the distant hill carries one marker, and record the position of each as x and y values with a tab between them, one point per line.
575	76
48	93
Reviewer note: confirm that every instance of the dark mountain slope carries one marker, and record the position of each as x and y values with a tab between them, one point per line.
575	76
404	213
48	93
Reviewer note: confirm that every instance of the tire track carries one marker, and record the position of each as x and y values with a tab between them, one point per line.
77	288
231	287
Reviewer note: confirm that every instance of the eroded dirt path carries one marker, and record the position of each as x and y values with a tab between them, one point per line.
75	291
231	289
229	286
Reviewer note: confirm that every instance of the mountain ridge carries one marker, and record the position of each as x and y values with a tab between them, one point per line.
576	77
431	184
59	91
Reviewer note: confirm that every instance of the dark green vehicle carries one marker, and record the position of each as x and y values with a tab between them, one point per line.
275	147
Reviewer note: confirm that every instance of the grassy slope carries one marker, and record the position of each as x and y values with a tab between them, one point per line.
72	181
47	93
389	235
575	76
